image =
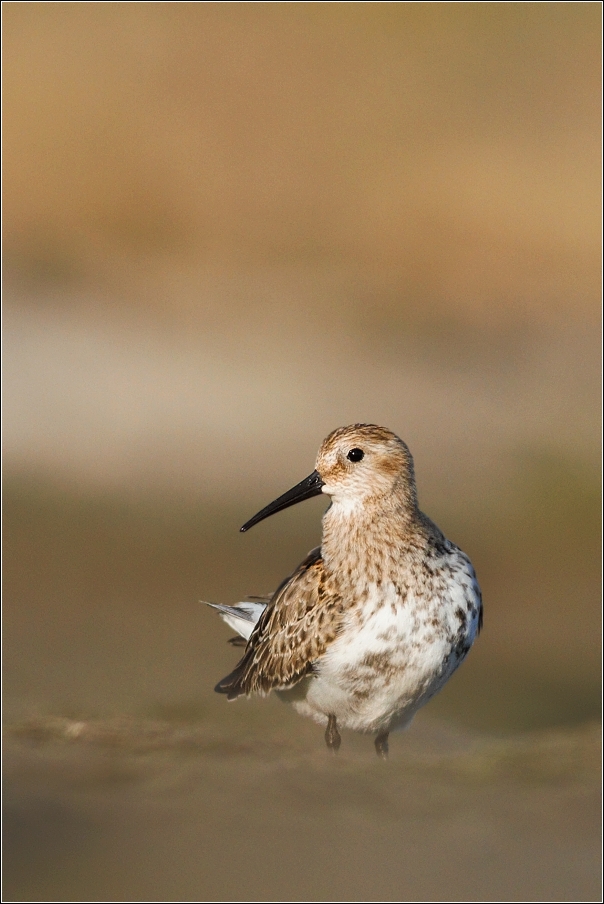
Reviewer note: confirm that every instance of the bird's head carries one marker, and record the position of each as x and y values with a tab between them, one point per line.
356	466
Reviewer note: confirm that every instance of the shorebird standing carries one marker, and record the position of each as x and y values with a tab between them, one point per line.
374	621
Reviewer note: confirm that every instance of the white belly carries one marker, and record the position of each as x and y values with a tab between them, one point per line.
389	660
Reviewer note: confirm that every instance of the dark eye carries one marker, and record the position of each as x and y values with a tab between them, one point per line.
355	455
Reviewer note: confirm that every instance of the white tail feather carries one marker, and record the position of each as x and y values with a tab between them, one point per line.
242	617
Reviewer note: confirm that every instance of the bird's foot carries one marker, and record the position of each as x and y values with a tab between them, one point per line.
332	735
381	745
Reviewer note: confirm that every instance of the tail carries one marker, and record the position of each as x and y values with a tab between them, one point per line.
242	617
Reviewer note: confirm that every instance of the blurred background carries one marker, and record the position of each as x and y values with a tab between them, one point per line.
228	229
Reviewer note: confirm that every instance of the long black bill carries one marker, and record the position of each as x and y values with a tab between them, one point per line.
310	486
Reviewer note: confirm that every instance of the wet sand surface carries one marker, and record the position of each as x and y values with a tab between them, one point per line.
244	810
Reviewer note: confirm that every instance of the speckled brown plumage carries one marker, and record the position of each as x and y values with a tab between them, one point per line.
373	622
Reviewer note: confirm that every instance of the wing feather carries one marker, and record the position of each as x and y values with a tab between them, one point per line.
294	630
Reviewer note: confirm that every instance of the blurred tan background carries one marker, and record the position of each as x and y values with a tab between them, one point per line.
228	229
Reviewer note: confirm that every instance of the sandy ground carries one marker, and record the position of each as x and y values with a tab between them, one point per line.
254	809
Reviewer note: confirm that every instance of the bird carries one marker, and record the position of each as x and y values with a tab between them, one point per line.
375	620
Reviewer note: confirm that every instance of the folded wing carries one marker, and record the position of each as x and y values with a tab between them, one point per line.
291	634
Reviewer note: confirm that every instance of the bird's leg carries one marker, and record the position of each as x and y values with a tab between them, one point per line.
332	735
381	745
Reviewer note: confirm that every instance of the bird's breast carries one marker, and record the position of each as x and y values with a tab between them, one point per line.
396	646
393	632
